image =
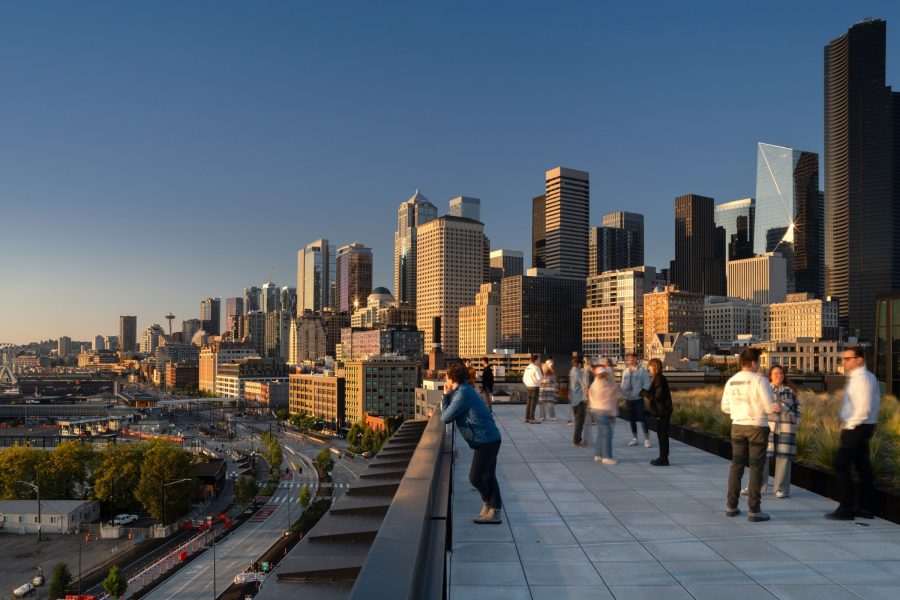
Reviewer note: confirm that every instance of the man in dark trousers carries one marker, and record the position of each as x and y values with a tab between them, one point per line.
487	382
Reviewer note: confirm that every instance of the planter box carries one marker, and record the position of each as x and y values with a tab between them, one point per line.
817	480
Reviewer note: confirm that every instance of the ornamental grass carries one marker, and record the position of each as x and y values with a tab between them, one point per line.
819	433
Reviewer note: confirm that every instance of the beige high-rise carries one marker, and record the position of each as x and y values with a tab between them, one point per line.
449	272
479	325
671	311
761	279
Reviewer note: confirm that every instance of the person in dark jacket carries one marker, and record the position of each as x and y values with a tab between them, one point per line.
487	382
463	406
659	405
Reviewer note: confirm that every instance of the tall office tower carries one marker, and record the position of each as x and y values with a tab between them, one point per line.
479	324
568	207
539	232
541	312
255	331
315	276
449	272
289	300
632	226
462	206
353	277
278	327
737	218
862	164
761	279
252	299
233	307
127	334
380	386
64	346
411	215
787	213
486	261
607	249
153	337
698	268
505	263
270	297
189	328
307	338
210	310
612	324
671	310
112	342
98	344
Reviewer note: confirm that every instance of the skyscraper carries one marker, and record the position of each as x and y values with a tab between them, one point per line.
566	221
737	219
539	232
315	276
787	213
210	311
632	227
252	299
862	164
353	277
270	297
506	263
463	206
127	334
699	265
607	249
449	273
761	279
289	300
541	312
64	346
234	307
411	215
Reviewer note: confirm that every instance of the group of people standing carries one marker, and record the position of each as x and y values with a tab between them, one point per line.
757	406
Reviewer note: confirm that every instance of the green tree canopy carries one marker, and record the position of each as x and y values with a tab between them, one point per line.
304	496
115	583
19	463
66	470
163	465
118	474
324	462
60	580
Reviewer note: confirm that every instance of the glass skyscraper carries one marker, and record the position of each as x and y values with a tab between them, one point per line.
737	218
788	216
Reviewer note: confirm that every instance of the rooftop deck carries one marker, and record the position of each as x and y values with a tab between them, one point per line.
573	528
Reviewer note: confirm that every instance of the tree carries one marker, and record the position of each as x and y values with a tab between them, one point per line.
282	414
379	440
304	496
115	583
245	489
353	435
66	470
271	451
165	464
324	462
368	440
118	475
18	463
60	581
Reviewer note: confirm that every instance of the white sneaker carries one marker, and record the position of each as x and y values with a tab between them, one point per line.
633	442
552	418
609	461
745	491
647	443
598	459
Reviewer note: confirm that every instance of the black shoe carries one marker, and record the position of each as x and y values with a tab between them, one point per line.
732	512
839	515
862	513
660	462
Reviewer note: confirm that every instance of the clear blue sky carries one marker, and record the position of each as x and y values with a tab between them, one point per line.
153	154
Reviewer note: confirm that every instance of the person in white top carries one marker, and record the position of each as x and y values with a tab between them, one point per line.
749	401
859	417
532	380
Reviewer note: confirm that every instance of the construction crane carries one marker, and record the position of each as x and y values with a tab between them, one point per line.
271	274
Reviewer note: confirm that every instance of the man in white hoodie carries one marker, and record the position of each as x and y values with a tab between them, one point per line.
748	399
859	416
532	380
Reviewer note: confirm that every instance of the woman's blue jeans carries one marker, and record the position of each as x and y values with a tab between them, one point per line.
603	443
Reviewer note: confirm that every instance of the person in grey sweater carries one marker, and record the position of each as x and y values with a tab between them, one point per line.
579	383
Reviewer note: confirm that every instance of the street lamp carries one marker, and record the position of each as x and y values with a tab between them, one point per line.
37	488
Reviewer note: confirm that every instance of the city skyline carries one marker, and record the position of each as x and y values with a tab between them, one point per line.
116	220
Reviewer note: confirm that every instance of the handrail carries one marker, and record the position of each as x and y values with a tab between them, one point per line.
406	559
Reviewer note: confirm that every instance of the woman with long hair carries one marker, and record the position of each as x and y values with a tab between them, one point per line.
783	436
604	397
659	404
548	392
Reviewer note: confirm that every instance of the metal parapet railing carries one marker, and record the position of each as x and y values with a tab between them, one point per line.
407	557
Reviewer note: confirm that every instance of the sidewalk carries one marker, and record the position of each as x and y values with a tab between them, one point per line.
573	528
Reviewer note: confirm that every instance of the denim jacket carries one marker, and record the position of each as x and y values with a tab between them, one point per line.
467	409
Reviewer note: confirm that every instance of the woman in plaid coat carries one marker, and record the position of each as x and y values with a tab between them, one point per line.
783	436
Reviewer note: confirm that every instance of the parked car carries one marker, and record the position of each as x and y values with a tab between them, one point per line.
23	590
124	519
367	455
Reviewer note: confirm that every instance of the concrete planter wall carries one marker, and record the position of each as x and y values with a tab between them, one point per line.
815	479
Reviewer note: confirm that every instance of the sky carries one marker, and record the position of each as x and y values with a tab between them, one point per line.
154	154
